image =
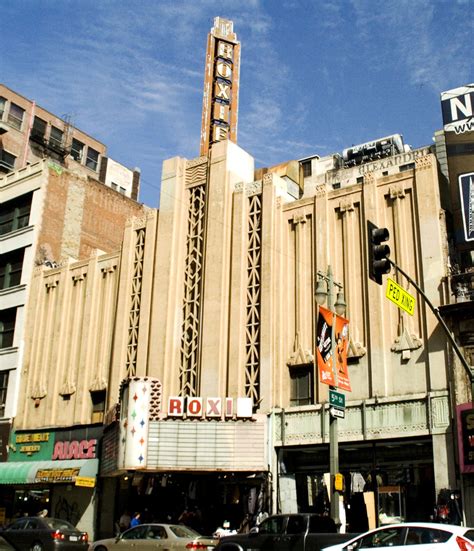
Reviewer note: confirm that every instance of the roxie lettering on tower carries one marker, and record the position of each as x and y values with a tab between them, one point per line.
221	85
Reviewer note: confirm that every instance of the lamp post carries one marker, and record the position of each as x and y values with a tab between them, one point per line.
325	291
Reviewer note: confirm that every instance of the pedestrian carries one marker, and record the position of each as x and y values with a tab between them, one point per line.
124	521
135	520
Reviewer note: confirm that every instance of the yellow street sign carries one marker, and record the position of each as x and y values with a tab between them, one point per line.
400	297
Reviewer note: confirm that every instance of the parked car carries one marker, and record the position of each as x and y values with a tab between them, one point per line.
172	537
419	535
44	534
5	546
295	532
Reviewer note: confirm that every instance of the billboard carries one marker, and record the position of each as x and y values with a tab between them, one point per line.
457	106
466	196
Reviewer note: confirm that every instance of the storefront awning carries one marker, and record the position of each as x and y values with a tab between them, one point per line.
34	472
14	473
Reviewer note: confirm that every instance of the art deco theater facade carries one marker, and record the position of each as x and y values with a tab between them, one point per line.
202	334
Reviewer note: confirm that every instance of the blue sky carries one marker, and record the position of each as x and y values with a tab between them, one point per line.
316	76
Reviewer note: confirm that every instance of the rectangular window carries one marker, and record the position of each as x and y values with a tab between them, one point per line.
92	158
56	137
98	406
7	327
77	150
15	116
409	166
301	385
11	265
3	103
39	129
7	161
3	391
15	213
307	171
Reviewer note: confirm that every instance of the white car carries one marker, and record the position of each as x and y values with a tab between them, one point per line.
422	536
157	536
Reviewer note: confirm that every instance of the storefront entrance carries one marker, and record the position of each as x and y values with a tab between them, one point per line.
203	501
385	482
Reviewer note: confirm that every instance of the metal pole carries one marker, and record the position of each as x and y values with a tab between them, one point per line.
333	433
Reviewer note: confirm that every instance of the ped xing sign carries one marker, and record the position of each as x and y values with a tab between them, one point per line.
400	297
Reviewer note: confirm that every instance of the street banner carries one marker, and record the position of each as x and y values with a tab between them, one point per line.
327	374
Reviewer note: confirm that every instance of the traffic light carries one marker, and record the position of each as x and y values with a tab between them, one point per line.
379	252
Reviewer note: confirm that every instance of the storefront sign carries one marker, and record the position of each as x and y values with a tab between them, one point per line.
457	106
56	475
466	195
30	448
85	449
32	437
85	481
209	407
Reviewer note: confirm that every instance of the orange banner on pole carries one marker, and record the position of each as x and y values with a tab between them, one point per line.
342	346
338	377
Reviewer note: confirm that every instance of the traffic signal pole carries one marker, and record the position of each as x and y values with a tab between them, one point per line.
462	359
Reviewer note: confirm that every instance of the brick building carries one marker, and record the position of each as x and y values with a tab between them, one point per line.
29	133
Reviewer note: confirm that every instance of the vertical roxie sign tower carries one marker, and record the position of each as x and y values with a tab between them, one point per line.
221	85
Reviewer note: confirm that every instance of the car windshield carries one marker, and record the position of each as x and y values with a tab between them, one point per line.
183	531
58	524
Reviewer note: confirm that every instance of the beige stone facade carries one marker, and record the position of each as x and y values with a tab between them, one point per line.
214	297
52	218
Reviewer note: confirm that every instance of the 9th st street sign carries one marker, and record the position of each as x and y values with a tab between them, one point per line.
400	297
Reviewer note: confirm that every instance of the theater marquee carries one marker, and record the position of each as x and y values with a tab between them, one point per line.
221	86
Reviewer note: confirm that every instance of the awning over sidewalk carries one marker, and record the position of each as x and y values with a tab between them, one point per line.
33	472
14	473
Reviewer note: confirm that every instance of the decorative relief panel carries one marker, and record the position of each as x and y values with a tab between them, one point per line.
193	273
320	190
196	171
364	421
440	412
136	293
252	188
423	163
396	191
252	328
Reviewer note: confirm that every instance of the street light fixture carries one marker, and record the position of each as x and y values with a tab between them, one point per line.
325	291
